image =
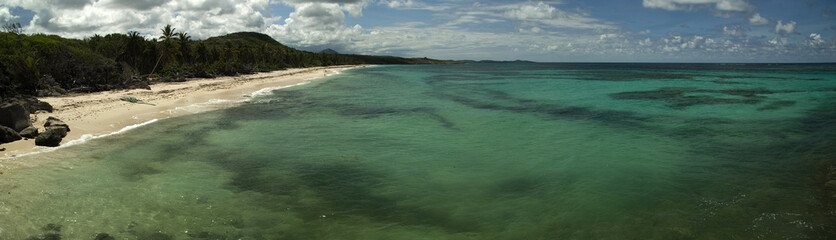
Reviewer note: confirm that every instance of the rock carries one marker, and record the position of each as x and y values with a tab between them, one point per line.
33	105
52	122
14	115
51	137
104	236
136	82
49	87
8	135
30	132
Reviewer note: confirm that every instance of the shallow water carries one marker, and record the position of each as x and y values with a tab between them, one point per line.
468	151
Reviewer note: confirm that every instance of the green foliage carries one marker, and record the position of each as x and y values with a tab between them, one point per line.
115	60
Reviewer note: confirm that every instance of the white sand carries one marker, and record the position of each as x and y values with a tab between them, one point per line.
102	113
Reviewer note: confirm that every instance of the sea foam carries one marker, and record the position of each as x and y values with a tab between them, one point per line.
83	139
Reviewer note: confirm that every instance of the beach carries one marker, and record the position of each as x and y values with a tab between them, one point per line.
90	115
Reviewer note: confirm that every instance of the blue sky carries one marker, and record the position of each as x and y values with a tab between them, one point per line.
551	31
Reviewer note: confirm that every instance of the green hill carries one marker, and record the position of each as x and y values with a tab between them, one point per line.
47	65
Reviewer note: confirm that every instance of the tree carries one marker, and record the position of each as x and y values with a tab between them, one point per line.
133	49
16	29
168	33
184	38
166	38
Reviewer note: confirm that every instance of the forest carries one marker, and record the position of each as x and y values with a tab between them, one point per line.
48	65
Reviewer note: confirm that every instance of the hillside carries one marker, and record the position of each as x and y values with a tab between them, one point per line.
49	65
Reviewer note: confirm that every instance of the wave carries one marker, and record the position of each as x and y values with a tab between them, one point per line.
83	139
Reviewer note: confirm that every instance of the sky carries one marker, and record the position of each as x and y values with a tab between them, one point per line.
546	31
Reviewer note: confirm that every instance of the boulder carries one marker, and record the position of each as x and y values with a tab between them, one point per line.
8	135
14	115
33	105
30	132
49	87
52	122
51	137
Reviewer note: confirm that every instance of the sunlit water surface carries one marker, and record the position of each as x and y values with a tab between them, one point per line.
467	151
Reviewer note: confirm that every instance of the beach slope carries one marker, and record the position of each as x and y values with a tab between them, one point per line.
101	113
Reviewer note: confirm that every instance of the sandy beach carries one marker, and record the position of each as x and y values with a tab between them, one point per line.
101	113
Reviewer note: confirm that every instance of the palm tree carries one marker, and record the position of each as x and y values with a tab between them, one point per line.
185	51
168	34
133	48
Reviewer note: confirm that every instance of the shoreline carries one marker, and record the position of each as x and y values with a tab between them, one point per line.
101	114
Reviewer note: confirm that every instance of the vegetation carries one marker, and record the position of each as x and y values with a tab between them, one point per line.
46	65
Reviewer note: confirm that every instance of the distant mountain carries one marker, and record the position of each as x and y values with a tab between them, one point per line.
329	51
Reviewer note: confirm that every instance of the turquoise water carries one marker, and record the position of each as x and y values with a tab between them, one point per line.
467	151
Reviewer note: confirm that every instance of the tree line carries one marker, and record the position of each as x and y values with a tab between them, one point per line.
49	65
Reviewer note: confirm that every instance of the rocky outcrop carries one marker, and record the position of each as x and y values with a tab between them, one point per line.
50	88
8	135
30	132
55	131
52	122
34	105
51	137
14	115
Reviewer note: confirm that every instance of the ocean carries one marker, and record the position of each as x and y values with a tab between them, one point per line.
463	151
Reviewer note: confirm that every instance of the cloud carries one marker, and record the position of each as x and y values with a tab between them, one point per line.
200	18
815	40
757	20
323	1
399	3
135	4
413	5
44	4
316	25
6	15
783	29
680	5
546	14
734	31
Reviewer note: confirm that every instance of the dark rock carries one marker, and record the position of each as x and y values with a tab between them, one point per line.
14	115
30	132
52	236
8	135
136	83
49	87
51	137
33	105
52	122
83	89
104	236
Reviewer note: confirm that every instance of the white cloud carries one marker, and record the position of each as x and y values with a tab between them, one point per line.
316	24
678	5
5	15
734	31
411	4
757	20
200	18
815	39
782	29
399	3
546	14
645	42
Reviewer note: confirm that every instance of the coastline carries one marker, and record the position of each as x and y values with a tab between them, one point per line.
101	114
